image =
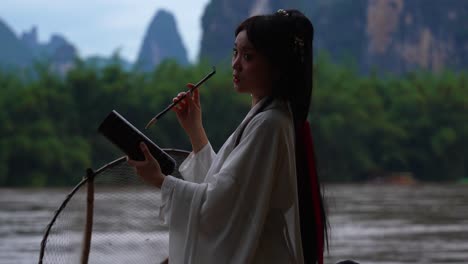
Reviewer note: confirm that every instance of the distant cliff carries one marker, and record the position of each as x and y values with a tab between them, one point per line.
58	52
24	51
221	18
407	34
387	35
162	41
13	53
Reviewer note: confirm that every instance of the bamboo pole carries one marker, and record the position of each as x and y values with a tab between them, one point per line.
89	217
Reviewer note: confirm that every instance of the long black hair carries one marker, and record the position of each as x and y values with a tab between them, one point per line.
285	39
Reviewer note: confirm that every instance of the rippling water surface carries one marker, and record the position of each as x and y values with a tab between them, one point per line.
399	224
369	223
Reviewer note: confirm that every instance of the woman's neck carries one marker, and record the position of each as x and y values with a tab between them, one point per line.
256	99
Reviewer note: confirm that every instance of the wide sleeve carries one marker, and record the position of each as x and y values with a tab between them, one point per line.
193	169
237	201
226	214
196	165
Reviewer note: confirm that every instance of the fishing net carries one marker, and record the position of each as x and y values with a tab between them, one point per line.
111	216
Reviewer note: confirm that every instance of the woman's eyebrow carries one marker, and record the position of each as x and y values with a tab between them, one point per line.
244	48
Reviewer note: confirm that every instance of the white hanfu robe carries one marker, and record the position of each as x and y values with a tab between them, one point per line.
241	204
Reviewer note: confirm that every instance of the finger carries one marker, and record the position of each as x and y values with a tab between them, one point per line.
179	101
195	93
175	108
135	163
175	100
180	95
146	152
189	97
190	85
179	105
196	96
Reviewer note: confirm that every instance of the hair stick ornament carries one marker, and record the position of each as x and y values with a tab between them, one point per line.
156	117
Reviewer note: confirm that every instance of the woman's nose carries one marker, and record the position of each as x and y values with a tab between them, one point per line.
235	63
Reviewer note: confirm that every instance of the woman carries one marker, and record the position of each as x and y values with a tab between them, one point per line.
258	199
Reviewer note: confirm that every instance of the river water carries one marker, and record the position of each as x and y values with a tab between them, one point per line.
369	223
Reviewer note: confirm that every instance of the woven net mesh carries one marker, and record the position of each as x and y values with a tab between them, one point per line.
125	227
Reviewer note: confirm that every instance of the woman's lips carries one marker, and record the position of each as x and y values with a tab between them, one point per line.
235	79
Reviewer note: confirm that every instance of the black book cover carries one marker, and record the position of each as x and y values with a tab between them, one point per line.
127	138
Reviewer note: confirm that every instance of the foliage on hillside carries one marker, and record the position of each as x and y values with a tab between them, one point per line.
362	125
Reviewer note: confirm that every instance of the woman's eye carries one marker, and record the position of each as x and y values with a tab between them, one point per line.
245	56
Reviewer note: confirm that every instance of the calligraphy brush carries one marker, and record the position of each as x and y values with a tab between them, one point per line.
156	117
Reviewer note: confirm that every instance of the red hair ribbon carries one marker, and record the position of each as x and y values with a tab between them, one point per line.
315	188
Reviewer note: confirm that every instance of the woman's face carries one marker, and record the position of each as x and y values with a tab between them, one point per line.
251	72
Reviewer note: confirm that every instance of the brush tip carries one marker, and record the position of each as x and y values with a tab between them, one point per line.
150	123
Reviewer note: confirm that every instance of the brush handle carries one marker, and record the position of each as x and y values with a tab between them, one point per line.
155	118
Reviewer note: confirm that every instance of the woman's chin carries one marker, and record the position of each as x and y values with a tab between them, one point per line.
241	89
238	88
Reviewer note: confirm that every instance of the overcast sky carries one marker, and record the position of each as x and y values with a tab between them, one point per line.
99	27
